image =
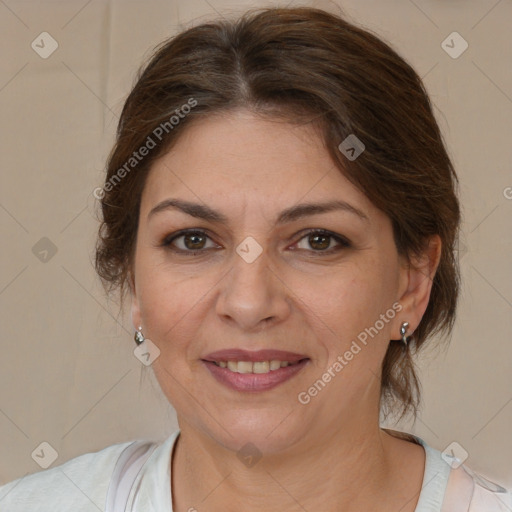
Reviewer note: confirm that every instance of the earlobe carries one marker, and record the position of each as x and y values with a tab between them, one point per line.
135	313
416	284
135	308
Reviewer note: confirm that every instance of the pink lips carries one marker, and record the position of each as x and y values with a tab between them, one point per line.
254	382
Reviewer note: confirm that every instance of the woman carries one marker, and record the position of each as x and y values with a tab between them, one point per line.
280	207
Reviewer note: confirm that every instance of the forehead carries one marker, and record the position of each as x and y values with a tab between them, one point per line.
241	157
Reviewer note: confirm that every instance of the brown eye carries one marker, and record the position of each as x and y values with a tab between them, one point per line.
319	241
188	242
194	241
322	241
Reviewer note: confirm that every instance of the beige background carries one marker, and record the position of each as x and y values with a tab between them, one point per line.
68	373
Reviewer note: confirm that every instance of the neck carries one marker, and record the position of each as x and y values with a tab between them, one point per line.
349	469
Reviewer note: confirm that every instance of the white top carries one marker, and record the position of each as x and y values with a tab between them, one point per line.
142	479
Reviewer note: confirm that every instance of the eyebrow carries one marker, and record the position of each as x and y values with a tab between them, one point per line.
288	215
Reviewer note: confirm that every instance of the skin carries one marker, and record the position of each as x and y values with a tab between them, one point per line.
292	297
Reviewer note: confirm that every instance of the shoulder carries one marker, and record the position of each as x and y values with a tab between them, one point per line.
487	496
80	484
467	491
451	486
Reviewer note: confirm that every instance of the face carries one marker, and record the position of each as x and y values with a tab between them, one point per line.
229	258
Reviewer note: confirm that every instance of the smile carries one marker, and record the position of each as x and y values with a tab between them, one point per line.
254	367
254	376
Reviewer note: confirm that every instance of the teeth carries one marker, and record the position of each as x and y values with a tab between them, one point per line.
256	367
244	367
275	365
263	367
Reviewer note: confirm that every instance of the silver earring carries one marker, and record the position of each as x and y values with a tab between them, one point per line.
403	330
139	337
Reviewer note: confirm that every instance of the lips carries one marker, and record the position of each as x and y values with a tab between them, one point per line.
254	371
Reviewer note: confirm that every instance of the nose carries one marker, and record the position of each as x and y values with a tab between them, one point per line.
253	295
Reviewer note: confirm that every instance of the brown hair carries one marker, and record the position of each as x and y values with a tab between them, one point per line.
298	64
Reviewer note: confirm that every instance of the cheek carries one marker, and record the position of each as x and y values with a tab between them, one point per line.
170	307
169	301
346	307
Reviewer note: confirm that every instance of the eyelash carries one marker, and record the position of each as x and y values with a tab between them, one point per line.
167	242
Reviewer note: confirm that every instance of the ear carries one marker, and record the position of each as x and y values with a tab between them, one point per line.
135	308
416	279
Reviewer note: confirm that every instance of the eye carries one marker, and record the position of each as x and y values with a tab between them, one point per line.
321	241
193	241
190	241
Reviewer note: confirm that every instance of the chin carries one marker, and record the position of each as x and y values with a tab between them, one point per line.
269	434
